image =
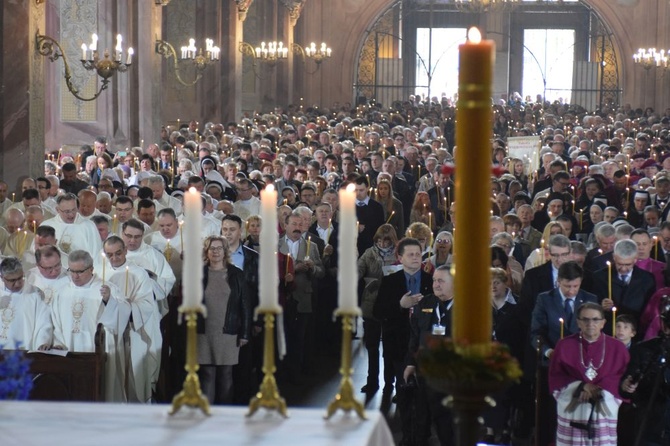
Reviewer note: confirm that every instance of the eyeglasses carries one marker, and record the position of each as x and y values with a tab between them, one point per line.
71	271
132	237
590	320
68	211
50	269
442	241
13	281
216	248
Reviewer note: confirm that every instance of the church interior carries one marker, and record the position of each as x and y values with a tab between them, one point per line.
173	62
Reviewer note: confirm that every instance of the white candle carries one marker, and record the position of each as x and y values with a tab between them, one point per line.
83	51
192	271
129	60
269	239
348	266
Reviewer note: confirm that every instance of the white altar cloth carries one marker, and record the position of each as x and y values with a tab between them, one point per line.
101	424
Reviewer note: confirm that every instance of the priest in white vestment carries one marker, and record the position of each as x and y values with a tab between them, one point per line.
163	200
151	260
144	337
77	309
48	275
72	230
25	321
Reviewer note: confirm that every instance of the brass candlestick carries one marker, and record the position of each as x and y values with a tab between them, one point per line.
268	394
191	395
345	396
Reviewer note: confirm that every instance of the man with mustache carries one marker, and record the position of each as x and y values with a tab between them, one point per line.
301	266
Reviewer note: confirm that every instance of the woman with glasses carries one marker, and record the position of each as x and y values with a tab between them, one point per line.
25	320
376	262
393	210
228	321
441	251
584	375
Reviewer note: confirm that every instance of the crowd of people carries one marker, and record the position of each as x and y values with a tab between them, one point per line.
579	252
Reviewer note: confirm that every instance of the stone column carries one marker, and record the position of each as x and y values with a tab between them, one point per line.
147	103
22	94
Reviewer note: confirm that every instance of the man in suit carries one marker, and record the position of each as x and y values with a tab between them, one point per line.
598	257
301	271
287	180
245	375
431	316
398	292
326	231
631	286
527	233
554	317
543	278
370	216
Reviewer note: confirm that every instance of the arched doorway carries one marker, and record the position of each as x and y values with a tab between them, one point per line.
412	44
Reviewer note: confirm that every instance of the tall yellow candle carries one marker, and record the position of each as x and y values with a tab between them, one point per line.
542	251
609	280
104	262
613	321
655	247
560	319
309	244
472	314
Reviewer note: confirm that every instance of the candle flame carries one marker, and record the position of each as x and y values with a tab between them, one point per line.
192	190
560	319
351	188
270	187
614	309
474	36
608	263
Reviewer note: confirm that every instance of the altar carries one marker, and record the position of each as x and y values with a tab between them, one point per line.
73	424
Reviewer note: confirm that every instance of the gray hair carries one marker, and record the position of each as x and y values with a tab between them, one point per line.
80	256
10	265
559	241
302	211
503	235
606	230
625	249
577	247
624	231
155	179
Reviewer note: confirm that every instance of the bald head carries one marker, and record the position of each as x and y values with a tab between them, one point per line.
87	200
15	219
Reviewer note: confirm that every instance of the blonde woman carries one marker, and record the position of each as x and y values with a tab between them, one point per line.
393	210
537	257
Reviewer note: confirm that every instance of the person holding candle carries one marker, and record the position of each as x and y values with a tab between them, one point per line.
584	376
393	210
298	283
145	338
227	327
635	211
631	286
79	305
375	263
422	212
644	260
605	236
25	316
550	307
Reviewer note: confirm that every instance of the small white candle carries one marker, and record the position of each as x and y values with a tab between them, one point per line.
348	266
269	239
129	60
192	271
83	51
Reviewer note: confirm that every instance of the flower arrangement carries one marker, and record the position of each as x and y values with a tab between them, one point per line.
461	362
16	382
